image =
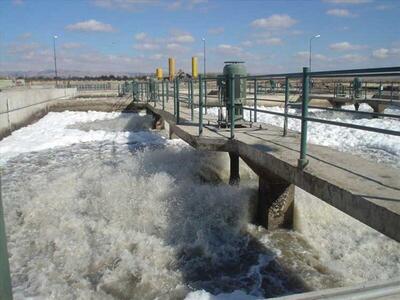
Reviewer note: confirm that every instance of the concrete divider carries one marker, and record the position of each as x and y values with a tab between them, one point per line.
20	107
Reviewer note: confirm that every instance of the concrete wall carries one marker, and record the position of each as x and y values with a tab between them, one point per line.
20	107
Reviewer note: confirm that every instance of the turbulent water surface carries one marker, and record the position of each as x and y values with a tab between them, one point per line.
99	207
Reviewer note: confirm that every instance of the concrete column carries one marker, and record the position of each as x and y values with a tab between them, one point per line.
234	178
275	204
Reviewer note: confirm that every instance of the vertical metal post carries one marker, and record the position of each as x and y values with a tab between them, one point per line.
163	94
391	93
380	89
200	105
188	93
167	90
174	93
302	162
133	92
232	103
205	95
5	278
285	120
365	94
191	101
255	100
177	100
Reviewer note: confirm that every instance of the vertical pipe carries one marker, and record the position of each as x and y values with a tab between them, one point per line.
171	65
255	100
5	279
195	72
200	105
177	100
302	162
285	121
232	103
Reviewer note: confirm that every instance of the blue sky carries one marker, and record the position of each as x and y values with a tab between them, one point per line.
108	36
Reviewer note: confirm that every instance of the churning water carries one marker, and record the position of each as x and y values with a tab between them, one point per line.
106	209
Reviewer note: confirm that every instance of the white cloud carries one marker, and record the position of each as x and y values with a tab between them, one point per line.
71	45
274	22
182	38
91	25
345	46
130	5
304	55
348	1
353	58
383	7
146	46
380	53
140	36
226	49
383	53
216	30
25	36
247	43
339	12
273	41
185	4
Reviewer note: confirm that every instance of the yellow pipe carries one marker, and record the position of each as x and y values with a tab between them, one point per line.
195	72
159	73
171	64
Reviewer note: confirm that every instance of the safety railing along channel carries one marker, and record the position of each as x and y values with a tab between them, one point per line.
333	86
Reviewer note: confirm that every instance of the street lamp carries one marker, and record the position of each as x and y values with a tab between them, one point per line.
205	81
314	37
55	57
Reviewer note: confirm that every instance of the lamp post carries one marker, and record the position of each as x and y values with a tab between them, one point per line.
55	57
205	81
314	37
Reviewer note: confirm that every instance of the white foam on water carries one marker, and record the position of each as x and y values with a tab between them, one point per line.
100	213
376	146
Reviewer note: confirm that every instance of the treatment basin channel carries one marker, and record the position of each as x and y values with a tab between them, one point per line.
99	206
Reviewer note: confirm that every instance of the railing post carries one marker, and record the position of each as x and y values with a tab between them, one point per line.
191	101
205	94
285	120
255	100
200	105
133	92
188	90
302	162
174	93
163	94
232	103
177	100
5	279
167	86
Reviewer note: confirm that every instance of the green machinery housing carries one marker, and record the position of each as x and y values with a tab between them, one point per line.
233	72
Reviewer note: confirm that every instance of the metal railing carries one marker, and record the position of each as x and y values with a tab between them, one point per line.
299	84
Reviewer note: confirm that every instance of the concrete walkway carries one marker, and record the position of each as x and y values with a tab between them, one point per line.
365	190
